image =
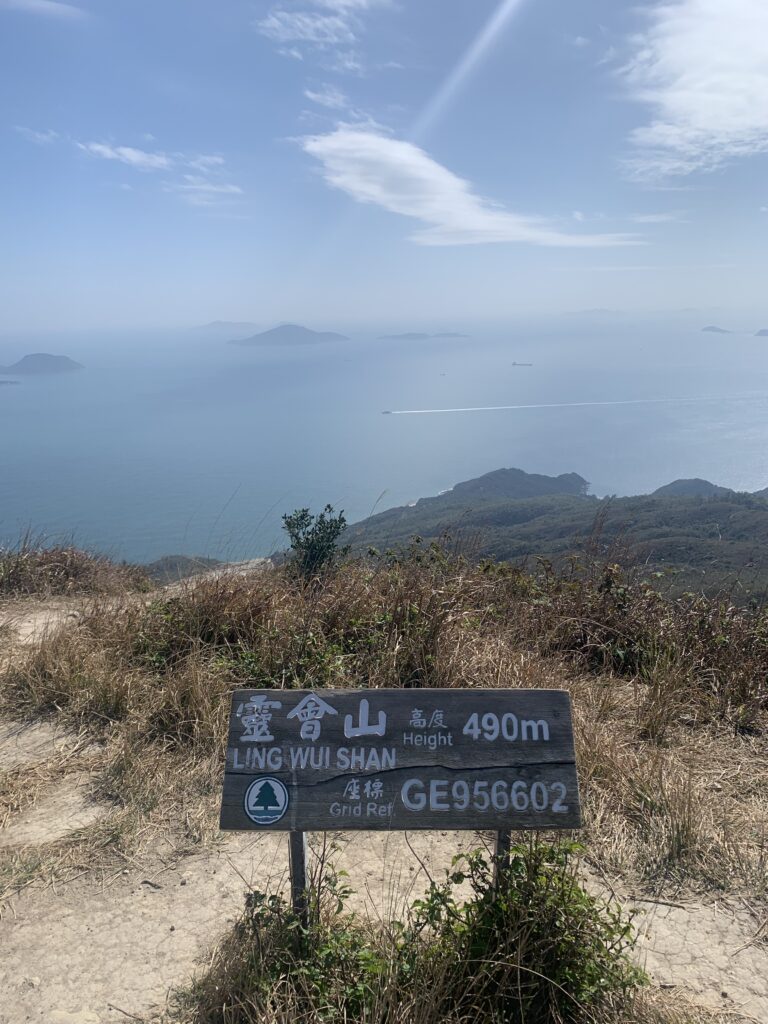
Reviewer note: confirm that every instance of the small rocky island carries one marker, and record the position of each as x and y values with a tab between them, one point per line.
39	364
289	334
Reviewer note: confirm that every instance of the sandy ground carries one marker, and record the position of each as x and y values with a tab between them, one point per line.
27	621
111	947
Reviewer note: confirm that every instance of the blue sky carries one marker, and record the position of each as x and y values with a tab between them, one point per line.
379	161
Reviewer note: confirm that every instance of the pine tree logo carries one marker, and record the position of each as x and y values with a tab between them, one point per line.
266	801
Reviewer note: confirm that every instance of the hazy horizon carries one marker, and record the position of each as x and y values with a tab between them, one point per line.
181	443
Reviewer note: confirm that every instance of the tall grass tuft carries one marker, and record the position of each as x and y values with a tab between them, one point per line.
33	568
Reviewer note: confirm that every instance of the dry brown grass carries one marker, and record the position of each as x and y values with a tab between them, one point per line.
32	568
669	697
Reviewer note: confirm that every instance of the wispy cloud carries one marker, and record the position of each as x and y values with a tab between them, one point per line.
327	96
205	162
199	191
670	217
39	138
208	186
332	27
50	8
345	62
400	177
138	158
307	27
702	68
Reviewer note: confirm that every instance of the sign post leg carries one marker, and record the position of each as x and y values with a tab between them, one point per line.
503	843
298	867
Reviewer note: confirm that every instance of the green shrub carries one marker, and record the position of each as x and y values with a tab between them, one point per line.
314	539
534	948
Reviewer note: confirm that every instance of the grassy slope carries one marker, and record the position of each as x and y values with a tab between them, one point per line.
665	692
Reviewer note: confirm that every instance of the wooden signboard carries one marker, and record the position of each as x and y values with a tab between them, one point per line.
400	759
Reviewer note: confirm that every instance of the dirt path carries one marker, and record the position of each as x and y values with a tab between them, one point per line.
28	621
99	949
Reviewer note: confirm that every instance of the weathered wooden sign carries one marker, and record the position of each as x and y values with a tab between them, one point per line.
400	759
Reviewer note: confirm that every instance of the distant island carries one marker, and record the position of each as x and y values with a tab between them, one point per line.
697	535
289	334
420	336
39	364
712	329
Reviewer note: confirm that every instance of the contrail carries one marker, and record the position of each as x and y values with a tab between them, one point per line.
574	405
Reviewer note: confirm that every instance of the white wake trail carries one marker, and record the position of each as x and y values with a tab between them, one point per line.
578	405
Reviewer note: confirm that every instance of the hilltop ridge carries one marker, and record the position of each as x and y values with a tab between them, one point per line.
700	534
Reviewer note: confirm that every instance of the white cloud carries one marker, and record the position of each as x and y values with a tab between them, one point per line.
400	177
327	96
40	138
579	216
580	42
138	158
51	8
656	218
307	27
702	68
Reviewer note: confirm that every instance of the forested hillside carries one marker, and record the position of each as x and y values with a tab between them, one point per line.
701	538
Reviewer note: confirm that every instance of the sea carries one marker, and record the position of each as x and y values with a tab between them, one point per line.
176	442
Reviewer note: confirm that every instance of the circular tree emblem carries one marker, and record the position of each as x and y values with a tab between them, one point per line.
266	801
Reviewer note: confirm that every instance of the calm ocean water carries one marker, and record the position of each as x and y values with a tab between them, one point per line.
181	443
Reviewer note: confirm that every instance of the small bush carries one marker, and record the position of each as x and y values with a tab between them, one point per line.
534	948
34	569
314	539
